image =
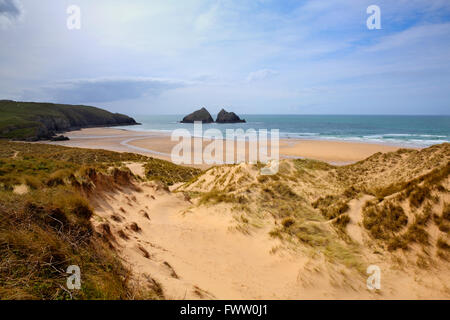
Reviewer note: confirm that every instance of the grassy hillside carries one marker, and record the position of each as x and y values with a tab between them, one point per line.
36	121
46	196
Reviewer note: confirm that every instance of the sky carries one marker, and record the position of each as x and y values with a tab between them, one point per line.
248	56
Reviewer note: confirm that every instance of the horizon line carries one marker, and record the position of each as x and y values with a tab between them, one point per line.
303	114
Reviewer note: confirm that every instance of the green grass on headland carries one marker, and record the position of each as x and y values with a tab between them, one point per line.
37	121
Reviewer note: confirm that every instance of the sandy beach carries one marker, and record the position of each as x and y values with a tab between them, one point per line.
159	145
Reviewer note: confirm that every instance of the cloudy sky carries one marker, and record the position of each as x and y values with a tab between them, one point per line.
251	56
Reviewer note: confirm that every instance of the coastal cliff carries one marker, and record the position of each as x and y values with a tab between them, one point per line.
32	121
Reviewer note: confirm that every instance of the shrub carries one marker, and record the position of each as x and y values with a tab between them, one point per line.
287	222
444	226
342	221
423	219
276	233
350	192
312	235
417	234
32	182
79	207
397	243
215	196
335	210
284	191
332	206
442	244
383	220
418	195
57	178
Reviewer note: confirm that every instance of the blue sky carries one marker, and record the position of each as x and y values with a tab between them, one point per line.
250	56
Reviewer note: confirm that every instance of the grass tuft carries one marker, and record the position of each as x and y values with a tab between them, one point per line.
384	220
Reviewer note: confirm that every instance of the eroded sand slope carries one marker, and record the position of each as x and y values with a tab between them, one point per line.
233	234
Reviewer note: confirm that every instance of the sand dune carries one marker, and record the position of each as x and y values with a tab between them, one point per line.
195	254
199	243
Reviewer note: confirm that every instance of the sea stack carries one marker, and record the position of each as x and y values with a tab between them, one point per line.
202	115
228	117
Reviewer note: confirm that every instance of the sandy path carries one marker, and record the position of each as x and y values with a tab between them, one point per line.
201	249
354	228
211	260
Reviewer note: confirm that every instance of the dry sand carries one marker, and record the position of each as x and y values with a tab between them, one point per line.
196	253
159	145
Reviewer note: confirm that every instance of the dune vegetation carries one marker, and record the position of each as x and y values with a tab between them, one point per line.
406	192
68	206
46	197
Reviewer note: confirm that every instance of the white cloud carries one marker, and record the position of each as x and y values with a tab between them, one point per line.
103	89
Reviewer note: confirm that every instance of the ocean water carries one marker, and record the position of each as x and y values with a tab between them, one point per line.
407	131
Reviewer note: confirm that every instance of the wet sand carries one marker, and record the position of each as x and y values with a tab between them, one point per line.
159	145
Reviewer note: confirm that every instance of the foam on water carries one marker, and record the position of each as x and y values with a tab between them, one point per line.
408	131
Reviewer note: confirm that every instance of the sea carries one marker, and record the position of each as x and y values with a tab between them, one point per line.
405	131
